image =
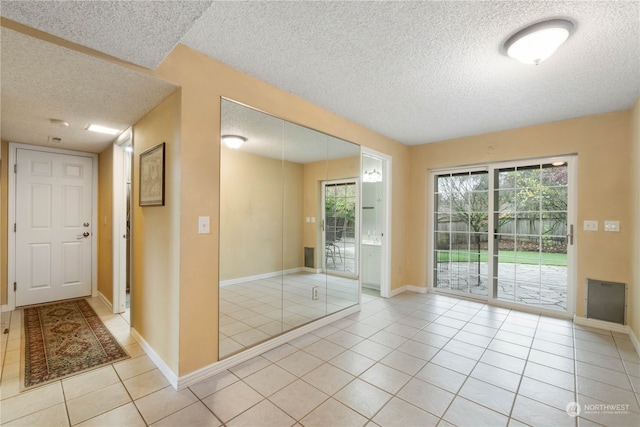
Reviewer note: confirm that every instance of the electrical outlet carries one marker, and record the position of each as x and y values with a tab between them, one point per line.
612	226
314	293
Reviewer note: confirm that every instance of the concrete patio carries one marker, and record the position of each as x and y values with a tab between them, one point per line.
543	286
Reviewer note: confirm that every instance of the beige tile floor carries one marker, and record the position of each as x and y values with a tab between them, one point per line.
412	360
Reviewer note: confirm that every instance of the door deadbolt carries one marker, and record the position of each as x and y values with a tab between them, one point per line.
86	224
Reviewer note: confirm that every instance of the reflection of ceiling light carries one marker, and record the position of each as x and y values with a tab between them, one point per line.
557	164
233	141
128	149
59	122
103	129
537	42
372	176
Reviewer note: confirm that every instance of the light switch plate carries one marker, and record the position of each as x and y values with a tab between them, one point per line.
204	226
612	226
590	225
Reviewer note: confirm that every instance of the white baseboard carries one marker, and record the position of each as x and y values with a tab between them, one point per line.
156	359
260	276
411	288
634	340
5	307
217	367
312	270
105	301
609	326
601	324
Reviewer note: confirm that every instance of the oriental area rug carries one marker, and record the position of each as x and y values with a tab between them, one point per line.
64	339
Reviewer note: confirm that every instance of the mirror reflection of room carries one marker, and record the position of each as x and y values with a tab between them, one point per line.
274	271
372	225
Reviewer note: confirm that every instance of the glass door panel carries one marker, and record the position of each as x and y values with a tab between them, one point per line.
461	232
530	244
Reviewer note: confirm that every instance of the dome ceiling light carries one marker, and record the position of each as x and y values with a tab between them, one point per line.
537	42
233	141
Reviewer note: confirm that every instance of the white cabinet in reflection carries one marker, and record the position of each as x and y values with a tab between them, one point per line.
371	266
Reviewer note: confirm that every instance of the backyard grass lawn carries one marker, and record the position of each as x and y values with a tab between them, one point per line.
511	257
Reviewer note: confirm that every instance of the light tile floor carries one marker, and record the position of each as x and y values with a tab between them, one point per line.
412	360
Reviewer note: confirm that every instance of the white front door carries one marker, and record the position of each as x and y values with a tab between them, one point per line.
53	226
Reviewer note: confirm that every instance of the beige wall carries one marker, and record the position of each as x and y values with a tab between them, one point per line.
258	235
204	81
105	223
4	218
603	145
635	253
155	290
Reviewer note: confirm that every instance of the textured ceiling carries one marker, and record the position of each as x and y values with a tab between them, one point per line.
428	71
141	32
415	71
42	81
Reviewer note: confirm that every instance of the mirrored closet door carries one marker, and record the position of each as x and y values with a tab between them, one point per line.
273	231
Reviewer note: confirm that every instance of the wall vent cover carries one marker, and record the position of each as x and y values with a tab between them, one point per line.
309	257
606	301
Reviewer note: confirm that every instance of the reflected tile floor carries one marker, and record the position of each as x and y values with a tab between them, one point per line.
257	310
412	360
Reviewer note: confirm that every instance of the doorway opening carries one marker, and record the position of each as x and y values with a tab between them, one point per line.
122	210
376	223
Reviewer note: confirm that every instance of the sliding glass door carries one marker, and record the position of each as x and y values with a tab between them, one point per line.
504	232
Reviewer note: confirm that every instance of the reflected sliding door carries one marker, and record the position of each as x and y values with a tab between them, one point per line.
340	199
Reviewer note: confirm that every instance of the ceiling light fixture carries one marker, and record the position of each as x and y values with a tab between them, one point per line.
103	129
537	42
233	141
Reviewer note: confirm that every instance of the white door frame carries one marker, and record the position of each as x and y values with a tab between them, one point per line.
119	223
385	248
11	254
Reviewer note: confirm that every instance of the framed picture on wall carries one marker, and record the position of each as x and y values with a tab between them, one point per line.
152	176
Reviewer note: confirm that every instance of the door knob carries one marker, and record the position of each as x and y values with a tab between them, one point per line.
86	234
